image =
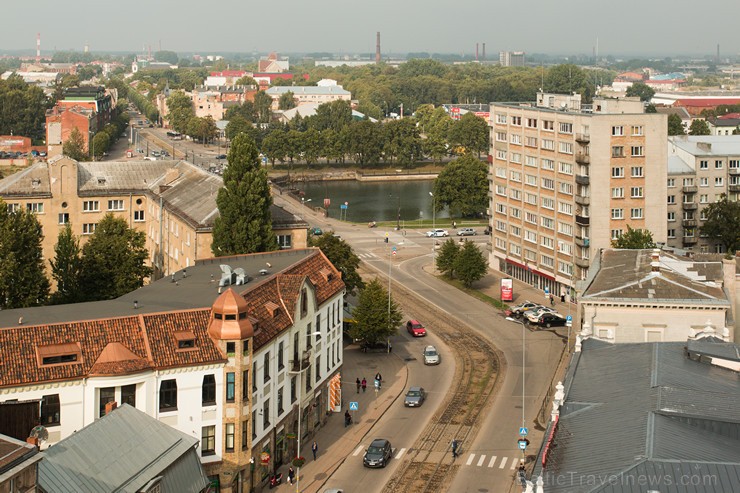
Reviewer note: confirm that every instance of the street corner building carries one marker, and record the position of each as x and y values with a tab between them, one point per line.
228	351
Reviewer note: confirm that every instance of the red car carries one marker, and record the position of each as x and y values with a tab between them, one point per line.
415	328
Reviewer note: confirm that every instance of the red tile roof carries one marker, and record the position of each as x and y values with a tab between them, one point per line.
706	103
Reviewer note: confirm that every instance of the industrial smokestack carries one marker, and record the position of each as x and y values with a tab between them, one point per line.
38	47
483	56
377	47
476	52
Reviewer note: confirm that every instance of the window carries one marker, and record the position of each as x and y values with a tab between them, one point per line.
516	231
548	164
530	198
703	199
532	122
636	151
516	157
90	206
308	379
636	172
285	241
230	386
671	199
50	410
35	207
637	130
293	389
565	268
530	180
719	181
501	208
500	172
501	154
230	348
616	233
704	182
318	368
547	242
548	203
304	302
245	429
565	228
245	385
501	136
566	128
671	182
530	161
566	168
115	205
688	198
530	141
516	120
500	226
516	139
671	233
548	125
515	250
703	164
548	183
266	369
128	395
636	192
636	213
515	194
618	193
208	440
280	401
208	392
88	228
565	208
566	147
138	216
515	212
617	214
500	118
718	164
168	395
548	144
530	236
281	356
515	176
64	218
230	437
618	130
547	261
500	243
617	151
107	394
309	338
530	217
13	208
254	425
734	163
618	172
501	190
671	216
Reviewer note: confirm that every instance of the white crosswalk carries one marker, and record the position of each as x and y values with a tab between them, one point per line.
400	453
368	256
484	460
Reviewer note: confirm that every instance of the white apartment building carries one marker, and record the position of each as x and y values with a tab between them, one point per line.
566	179
701	168
309	94
228	355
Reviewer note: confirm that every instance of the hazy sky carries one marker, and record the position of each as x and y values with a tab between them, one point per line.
650	27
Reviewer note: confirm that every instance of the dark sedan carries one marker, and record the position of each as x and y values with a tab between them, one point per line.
550	320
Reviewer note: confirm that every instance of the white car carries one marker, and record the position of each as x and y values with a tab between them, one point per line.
534	315
437	233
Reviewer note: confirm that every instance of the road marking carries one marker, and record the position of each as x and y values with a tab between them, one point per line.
492	462
400	453
514	463
470	459
481	460
503	463
357	452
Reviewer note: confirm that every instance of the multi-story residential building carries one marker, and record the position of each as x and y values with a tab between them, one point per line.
243	353
173	202
214	101
309	94
566	179
61	121
701	168
511	58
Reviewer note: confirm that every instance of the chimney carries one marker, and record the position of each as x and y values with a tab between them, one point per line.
655	260
38	47
483	55
476	52
33	441
377	47
110	406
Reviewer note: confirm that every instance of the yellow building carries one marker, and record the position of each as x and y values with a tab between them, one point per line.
172	202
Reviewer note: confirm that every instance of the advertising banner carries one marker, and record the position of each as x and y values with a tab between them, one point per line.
507	290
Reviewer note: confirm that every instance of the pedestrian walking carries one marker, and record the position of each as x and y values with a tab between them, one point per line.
562	297
378	377
454	225
347	418
377	387
364	385
291	474
552	300
314	449
454	448
358	385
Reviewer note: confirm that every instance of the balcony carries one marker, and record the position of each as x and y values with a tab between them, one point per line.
734	187
690	206
583	263
582	242
734	171
583	158
582	179
582	220
298	365
583	200
690	189
689	223
690	240
583	138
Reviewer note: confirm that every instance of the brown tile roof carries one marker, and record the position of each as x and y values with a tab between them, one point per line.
160	328
312	268
269	326
117	359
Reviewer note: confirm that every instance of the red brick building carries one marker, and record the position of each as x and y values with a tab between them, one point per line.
59	124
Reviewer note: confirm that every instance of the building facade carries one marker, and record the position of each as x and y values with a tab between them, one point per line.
235	352
566	179
309	94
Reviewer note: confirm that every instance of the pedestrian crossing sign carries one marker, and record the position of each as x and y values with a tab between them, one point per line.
523	431
354	406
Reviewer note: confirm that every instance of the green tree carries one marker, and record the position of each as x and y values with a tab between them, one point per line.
286	101
246	81
470	264
100	144
462	186
239	125
66	267
22	109
566	79
341	255
699	127
275	146
113	260
447	257
650	108
675	125
23	281
166	56
641	90
374	321
204	128
244	224
634	239
402	142
335	115
263	107
180	111
364	141
723	223
312	145
470	132
74	147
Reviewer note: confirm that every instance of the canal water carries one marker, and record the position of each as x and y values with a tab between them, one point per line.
374	201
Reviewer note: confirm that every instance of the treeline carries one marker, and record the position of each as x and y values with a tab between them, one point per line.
23	109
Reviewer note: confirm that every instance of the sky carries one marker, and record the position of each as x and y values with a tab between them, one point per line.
565	27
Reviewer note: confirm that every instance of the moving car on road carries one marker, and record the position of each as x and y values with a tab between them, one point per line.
437	233
414	397
431	356
415	328
466	232
378	453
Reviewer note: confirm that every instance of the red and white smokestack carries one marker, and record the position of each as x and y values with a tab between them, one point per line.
38	47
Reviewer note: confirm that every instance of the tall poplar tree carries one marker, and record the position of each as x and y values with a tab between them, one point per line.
65	268
244	224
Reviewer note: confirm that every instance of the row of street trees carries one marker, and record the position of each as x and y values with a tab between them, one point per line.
75	147
182	118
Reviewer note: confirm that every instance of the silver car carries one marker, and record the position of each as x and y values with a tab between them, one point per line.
431	356
414	397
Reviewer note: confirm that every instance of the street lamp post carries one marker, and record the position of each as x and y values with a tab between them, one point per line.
434	226
299	384
304	201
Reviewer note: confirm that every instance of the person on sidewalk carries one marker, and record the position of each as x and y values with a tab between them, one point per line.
379	379
562	297
358	385
552	300
454	448
291	474
364	385
314	449
347	418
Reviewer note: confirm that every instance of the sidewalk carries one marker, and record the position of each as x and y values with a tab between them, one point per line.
337	442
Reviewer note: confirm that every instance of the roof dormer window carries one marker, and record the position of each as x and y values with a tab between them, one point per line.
185	339
59	354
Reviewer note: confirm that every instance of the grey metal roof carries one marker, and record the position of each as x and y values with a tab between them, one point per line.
627	275
303	90
708	145
677	166
714	347
633	409
122	451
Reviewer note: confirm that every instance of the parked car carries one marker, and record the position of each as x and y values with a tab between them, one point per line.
437	233
415	328
550	320
165	153
316	231
414	397
378	453
519	309
535	313
431	356
466	232
221	156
